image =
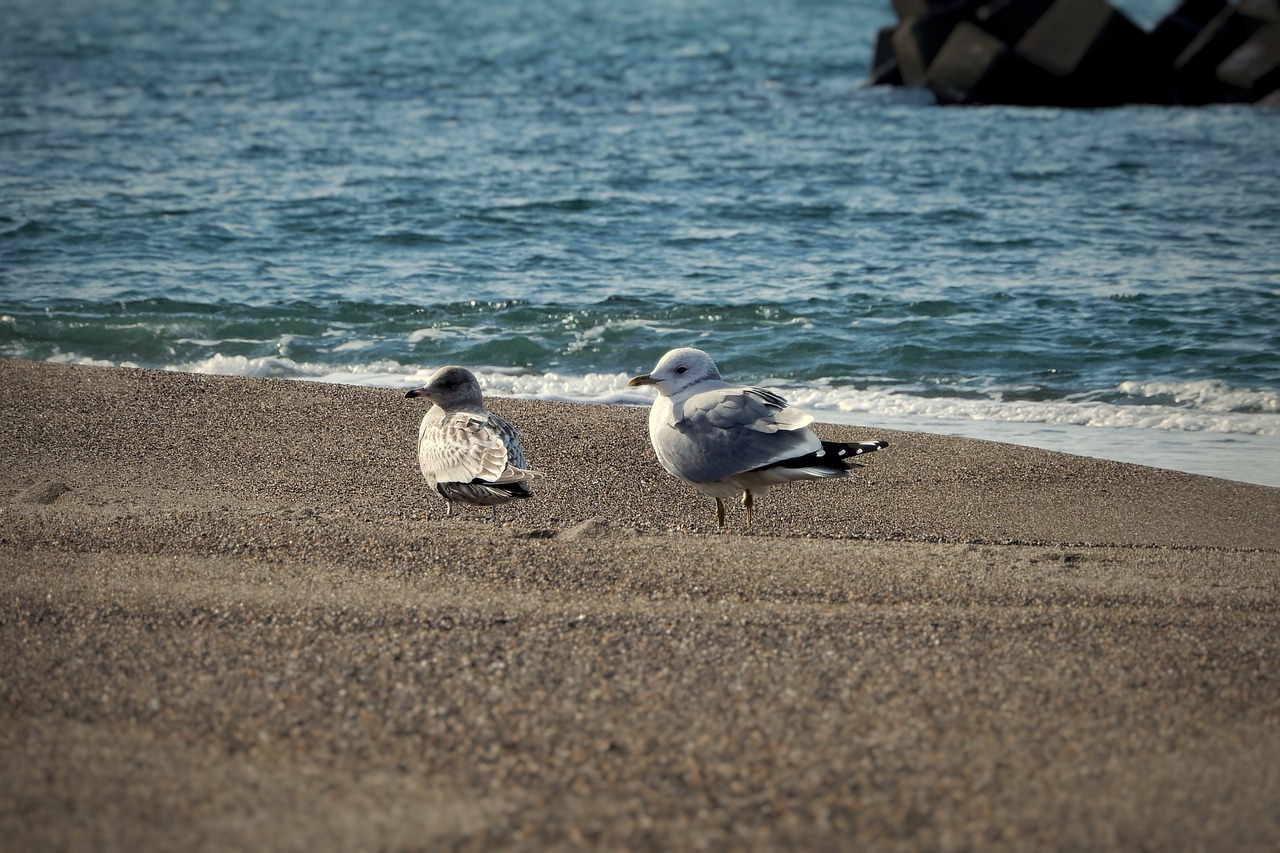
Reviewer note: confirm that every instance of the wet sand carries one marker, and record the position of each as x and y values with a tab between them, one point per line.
235	618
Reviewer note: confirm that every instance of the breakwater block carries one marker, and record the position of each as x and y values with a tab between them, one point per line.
1252	71
1081	53
1009	20
1197	66
1176	30
884	65
975	67
917	40
1102	57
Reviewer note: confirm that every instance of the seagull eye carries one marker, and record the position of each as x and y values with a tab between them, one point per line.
682	370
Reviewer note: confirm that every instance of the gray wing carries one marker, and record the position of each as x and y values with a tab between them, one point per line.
720	433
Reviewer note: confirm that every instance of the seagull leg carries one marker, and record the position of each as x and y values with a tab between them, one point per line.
720	511
747	503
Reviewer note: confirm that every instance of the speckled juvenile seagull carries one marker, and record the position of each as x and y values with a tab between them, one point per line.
467	453
727	441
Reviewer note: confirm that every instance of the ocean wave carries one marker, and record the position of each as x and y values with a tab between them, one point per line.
1204	395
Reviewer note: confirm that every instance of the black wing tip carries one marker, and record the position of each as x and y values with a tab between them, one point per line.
835	456
845	450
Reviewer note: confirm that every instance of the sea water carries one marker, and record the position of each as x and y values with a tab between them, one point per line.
554	193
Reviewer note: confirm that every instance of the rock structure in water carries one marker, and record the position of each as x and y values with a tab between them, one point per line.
1082	53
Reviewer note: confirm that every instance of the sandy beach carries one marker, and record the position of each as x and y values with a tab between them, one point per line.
234	618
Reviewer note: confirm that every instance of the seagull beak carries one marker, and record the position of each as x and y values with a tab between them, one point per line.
417	392
646	379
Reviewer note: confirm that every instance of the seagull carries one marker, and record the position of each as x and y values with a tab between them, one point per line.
467	453
726	440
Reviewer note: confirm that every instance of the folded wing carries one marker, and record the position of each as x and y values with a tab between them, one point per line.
466	448
724	432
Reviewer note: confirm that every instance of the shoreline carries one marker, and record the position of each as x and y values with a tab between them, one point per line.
235	617
1238	457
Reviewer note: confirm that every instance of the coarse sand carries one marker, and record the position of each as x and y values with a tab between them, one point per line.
234	618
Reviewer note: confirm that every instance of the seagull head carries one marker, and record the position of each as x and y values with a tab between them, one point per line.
451	388
677	370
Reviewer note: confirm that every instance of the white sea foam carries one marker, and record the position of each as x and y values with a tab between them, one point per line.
1207	395
70	358
238	365
594	336
1201	407
433	334
354	346
1180	417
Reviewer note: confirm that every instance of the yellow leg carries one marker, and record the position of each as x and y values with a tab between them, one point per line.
720	511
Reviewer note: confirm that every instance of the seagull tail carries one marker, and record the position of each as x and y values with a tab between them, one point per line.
483	493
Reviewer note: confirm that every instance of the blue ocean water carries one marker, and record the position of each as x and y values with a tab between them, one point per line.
553	193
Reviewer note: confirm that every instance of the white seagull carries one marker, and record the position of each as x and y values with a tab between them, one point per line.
467	453
726	440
